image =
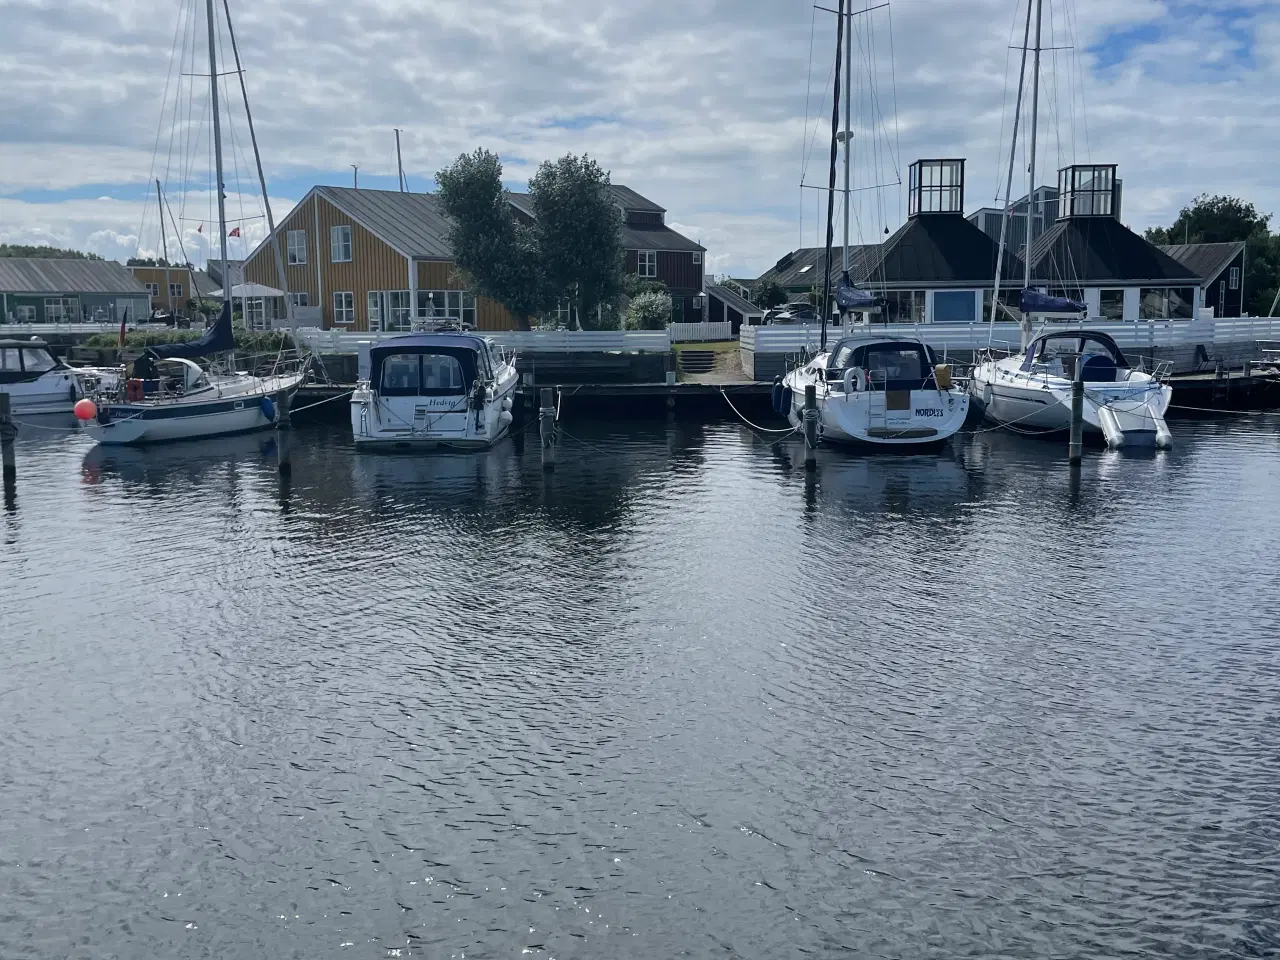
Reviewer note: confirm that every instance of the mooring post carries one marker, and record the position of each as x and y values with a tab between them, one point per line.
671	368
1077	414
547	430
811	427
7	434
284	461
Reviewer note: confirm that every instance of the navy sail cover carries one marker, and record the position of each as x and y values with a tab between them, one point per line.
217	339
1033	301
849	297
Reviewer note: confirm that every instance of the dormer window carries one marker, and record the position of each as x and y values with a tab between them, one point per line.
1087	190
936	186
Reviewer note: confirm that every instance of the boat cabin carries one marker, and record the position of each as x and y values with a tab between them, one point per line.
1056	355
897	364
431	365
24	360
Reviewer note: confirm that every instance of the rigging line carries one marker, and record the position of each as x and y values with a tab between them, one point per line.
808	87
155	149
817	128
175	126
897	135
1004	104
825	316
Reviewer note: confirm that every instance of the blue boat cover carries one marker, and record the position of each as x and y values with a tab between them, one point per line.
217	339
849	297
1033	301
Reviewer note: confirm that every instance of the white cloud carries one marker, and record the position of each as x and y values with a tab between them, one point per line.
700	106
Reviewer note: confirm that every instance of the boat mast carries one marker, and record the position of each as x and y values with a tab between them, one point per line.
825	311
848	130
217	155
1031	168
164	246
400	163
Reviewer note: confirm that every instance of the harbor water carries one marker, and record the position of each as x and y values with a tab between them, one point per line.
673	699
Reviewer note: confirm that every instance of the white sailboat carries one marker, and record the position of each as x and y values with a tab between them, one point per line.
879	391
1033	390
37	382
169	396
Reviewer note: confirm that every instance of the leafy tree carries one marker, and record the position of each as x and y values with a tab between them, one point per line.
497	256
1221	219
649	311
43	252
633	285
768	294
578	233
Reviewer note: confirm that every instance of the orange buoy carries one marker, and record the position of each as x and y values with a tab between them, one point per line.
85	409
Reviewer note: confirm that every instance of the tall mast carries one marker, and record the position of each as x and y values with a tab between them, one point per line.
399	162
848	130
164	246
825	312
1031	169
217	155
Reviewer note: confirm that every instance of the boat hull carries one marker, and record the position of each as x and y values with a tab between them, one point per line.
397	424
925	421
55	392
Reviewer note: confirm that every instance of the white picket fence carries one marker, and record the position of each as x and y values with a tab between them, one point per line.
700	332
520	341
23	331
944	337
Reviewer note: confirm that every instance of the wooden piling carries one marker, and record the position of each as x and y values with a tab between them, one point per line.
1077	414
811	427
547	429
8	432
284	428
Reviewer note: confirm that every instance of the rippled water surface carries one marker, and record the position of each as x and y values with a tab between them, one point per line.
671	701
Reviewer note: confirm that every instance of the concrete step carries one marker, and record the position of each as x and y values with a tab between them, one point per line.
697	361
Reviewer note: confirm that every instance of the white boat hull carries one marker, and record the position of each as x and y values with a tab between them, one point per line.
427	423
54	392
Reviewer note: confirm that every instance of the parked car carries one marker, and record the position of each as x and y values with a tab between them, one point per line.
799	311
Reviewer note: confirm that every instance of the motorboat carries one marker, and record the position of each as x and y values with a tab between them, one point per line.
171	397
1032	391
434	390
37	382
878	391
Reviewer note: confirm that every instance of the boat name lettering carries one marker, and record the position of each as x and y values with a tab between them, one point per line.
929	412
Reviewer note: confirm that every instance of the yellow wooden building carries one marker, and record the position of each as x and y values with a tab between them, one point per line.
171	288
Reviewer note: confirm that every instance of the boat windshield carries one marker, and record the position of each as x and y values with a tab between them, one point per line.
902	366
422	374
37	360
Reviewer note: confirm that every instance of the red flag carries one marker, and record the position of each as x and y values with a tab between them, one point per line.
200	229
234	233
123	320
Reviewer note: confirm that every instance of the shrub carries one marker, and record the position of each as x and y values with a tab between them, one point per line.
649	311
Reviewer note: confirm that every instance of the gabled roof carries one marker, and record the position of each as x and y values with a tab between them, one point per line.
628	199
1205	260
1101	250
733	301
23	275
414	223
937	250
803	267
634	236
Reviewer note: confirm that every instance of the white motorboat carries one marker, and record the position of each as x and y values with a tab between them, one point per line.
1032	391
37	382
434	390
878	391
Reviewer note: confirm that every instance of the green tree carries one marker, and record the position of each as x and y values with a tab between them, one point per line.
767	294
649	311
497	256
1222	219
578	234
43	253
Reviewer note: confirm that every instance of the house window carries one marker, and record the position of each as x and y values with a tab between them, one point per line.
153	289
697	257
340	244
458	306
399	315
299	299
1161	303
175	291
936	186
375	309
563	313
1086	190
255	317
298	247
25	313
344	307
1234	282
1010	304
954	306
1111	304
59	309
904	306
647	263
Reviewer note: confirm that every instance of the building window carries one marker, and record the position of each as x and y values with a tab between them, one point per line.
904	306
1161	303
340	244
1111	304
375	309
936	186
563	313
25	313
647	263
300	299
954	306
399	315
697	257
255	316
1086	190
447	305
1010	306
344	307
298	247
153	289
59	309
1234	282
175	291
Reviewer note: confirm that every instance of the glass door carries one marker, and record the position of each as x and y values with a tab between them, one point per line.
376	306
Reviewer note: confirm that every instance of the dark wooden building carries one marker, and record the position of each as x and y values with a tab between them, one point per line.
728	305
1220	267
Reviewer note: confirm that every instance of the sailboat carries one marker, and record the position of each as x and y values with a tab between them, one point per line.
1032	390
873	390
170	396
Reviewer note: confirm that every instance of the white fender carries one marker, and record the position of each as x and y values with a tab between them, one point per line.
850	375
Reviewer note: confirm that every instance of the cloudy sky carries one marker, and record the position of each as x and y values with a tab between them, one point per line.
713	108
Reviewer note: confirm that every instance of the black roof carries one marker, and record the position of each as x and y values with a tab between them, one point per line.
634	237
1101	250
938	250
802	268
1206	260
733	301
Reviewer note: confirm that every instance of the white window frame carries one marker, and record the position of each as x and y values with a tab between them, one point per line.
399	314
296	241
25	313
255	313
153	289
647	264
697	257
175	291
447	305
1233	282
340	243
59	309
344	308
373	304
300	299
